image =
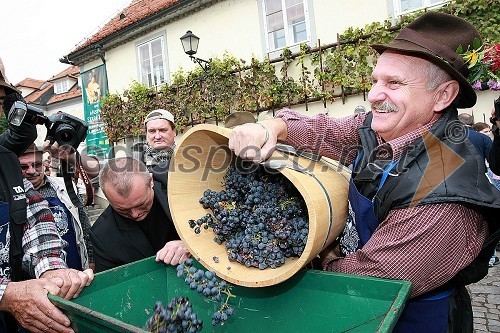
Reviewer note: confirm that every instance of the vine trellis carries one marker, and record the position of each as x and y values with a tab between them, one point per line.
323	73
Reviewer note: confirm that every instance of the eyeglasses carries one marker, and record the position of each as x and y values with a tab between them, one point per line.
35	165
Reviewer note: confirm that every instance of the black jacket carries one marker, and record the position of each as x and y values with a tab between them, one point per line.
117	242
467	184
14	142
495	152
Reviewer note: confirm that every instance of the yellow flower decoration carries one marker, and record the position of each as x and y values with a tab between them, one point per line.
471	58
479	70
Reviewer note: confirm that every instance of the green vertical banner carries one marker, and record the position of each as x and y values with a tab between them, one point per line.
94	87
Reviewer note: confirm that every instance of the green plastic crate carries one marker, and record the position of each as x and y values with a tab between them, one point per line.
121	300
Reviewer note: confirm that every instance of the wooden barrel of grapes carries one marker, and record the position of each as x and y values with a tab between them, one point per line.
200	162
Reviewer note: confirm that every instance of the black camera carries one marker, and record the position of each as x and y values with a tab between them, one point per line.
61	127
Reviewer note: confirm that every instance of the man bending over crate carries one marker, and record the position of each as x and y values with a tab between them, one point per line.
137	223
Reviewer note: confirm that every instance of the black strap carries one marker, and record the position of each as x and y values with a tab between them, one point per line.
68	182
82	173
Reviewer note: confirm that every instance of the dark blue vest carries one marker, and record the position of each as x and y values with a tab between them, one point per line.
66	229
467	184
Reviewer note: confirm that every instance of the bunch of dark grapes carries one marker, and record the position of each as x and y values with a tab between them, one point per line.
208	284
177	316
260	216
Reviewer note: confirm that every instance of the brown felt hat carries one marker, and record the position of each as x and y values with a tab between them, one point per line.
239	118
436	37
4	82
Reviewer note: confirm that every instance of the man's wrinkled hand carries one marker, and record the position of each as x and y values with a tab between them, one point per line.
173	253
27	301
73	281
56	151
254	142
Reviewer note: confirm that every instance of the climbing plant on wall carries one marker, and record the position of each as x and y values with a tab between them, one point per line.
323	73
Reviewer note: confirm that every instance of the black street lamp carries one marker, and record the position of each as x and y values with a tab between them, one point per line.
190	45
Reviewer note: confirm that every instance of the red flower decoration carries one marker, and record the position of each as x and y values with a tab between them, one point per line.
492	56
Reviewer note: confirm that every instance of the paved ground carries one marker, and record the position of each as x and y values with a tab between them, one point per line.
486	302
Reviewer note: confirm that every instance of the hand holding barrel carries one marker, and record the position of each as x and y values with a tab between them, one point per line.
257	141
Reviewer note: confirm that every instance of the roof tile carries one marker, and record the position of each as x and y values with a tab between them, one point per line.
72	71
37	94
72	93
42	88
136	11
31	83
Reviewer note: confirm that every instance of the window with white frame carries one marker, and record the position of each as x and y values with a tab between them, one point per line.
60	87
286	23
152	62
406	6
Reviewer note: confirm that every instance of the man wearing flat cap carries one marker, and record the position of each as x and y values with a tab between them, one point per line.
420	205
160	134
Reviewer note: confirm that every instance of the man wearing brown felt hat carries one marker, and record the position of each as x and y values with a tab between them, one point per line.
420	207
436	37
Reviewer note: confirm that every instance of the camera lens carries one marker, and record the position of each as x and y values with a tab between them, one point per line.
66	135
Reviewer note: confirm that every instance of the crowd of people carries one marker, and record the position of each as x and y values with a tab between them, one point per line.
416	212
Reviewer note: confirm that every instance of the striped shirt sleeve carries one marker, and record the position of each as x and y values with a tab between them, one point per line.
336	138
426	245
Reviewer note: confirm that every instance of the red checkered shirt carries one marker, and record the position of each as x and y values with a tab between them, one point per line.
426	245
43	247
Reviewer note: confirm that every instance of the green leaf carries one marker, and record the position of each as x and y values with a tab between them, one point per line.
476	43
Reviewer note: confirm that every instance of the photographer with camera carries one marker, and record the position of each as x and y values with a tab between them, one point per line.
32	261
68	163
64	134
